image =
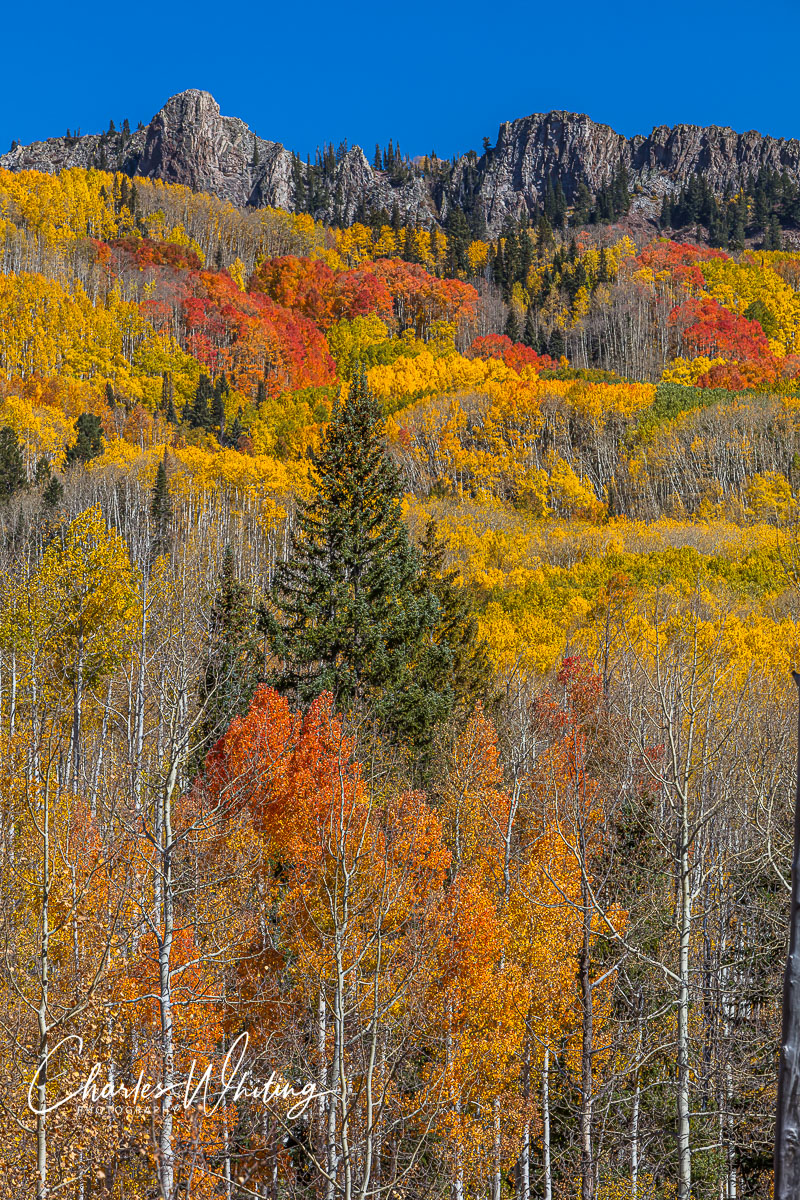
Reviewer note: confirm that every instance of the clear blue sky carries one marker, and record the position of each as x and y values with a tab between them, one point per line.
433	76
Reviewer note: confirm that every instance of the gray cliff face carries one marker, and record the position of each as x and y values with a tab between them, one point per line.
189	142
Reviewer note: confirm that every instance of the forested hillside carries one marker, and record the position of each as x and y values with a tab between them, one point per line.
396	636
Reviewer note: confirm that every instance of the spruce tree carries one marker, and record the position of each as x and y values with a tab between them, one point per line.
347	613
556	345
89	440
161	510
237	429
198	413
469	674
167	394
530	334
512	329
217	418
582	205
230	675
13	476
53	493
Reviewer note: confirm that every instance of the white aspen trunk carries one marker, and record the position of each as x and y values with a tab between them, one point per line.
41	1015
546	1145
496	1173
322	1069
331	1155
12	714
98	766
138	735
77	715
587	1047
166	1150
684	935
523	1187
731	1180
635	1115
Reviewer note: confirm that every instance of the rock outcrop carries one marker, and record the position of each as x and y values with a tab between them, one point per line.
189	142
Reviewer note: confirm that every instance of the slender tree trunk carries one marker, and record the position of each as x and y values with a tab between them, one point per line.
164	865
42	1012
637	1092
684	936
587	1048
787	1126
546	1145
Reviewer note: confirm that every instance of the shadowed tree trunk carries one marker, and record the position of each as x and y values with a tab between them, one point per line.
787	1126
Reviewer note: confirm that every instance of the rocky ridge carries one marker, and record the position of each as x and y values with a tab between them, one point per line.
190	142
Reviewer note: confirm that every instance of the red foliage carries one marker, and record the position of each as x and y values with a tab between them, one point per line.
679	260
305	285
759	376
403	294
146	252
709	329
419	299
514	354
360	293
250	337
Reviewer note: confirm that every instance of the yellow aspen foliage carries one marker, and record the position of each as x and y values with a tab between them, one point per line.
687	371
770	497
738	285
237	273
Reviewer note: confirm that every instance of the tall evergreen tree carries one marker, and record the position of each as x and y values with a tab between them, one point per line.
232	659
53	493
556	346
161	509
198	412
469	669
89	440
512	329
348	615
168	395
530	334
217	417
13	476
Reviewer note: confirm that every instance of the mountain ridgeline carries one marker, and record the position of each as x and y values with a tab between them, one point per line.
545	160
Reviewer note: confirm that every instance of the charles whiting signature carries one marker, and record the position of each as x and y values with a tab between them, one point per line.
234	1084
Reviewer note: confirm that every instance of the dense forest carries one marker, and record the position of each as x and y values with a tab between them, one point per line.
396	635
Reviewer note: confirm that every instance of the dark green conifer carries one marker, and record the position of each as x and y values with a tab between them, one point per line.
161	510
231	671
53	493
198	412
530	334
89	440
512	329
347	614
217	419
43	472
469	673
556	345
13	476
237	429
582	206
